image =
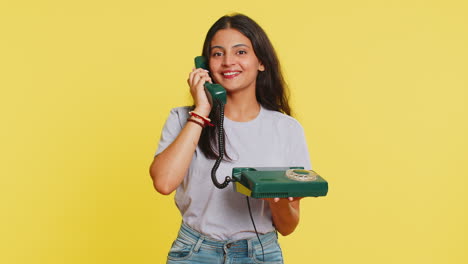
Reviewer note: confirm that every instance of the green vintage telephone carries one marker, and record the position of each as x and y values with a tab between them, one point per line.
271	182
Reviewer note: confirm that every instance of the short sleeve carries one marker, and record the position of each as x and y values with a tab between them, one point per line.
298	152
174	124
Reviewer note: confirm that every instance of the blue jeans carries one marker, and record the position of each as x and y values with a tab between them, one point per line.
193	247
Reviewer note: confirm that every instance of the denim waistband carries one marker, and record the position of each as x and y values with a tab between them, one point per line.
194	236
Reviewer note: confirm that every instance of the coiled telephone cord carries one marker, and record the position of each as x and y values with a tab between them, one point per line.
221	147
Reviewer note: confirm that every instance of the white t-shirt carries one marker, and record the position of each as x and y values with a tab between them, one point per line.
272	139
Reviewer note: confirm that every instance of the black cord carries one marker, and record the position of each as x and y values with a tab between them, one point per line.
255	228
221	147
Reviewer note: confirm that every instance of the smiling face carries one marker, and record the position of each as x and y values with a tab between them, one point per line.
233	62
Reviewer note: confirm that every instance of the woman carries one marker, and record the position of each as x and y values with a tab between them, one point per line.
216	225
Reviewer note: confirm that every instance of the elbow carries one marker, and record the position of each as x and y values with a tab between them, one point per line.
164	190
159	185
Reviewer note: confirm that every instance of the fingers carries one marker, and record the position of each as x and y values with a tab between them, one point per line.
198	77
291	199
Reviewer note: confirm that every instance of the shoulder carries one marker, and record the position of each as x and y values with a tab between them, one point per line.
181	110
281	119
180	113
178	116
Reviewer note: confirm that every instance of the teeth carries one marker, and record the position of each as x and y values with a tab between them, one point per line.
230	73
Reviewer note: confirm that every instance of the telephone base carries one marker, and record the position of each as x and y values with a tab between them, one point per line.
272	182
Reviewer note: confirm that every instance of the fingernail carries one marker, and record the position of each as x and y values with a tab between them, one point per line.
291	199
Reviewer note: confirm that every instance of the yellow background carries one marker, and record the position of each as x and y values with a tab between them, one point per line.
379	86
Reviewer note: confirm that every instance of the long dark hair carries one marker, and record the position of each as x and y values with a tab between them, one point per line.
271	89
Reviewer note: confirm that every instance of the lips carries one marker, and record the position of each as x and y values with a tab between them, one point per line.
230	74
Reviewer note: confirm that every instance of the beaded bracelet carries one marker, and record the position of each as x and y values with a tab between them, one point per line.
196	122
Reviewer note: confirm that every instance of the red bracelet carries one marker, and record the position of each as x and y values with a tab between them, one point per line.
193	113
196	122
206	120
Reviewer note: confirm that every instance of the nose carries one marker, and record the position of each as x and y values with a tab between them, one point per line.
228	59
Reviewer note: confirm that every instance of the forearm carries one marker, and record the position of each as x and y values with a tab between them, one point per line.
170	166
285	215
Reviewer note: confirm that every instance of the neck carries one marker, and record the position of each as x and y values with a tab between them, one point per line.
241	108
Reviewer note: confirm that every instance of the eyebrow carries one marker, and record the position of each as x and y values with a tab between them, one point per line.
235	46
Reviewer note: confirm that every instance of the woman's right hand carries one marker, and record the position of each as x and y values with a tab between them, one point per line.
196	81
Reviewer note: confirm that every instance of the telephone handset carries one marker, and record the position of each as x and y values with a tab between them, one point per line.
214	91
217	97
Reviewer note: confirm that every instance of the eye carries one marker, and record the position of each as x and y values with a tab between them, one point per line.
241	52
217	54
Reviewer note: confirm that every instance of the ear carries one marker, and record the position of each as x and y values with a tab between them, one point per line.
261	67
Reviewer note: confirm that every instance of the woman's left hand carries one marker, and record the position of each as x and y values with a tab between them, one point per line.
275	200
